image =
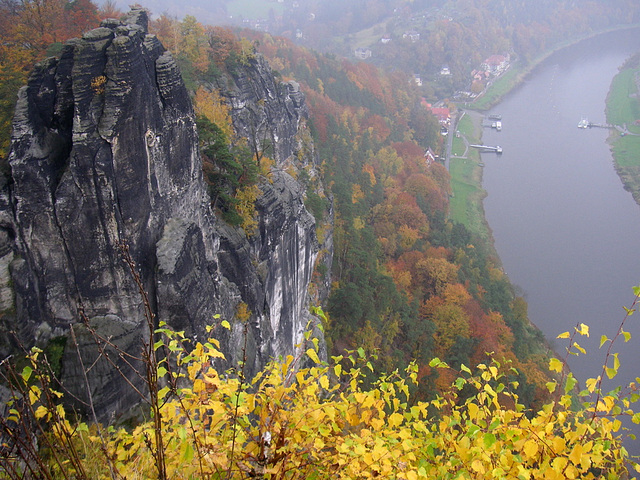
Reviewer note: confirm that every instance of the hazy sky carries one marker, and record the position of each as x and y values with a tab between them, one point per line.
203	10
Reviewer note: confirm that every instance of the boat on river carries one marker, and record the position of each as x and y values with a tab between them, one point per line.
583	123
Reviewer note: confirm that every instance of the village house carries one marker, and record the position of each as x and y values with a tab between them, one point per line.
480	75
411	35
443	114
429	156
417	79
496	64
362	53
445	70
385	39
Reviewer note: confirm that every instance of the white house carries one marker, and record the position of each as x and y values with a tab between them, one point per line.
496	64
411	35
362	53
429	156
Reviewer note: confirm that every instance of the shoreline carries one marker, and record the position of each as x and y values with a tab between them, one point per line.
467	174
470	178
625	149
518	73
468	181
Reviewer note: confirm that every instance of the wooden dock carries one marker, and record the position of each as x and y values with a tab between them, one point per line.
585	123
600	125
488	148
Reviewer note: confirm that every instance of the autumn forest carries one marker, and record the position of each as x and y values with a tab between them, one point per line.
407	283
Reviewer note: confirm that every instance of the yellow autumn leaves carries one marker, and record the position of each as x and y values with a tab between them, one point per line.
321	422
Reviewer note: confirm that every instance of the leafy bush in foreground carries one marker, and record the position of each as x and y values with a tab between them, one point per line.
318	422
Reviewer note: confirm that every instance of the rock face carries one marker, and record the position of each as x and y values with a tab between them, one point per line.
104	152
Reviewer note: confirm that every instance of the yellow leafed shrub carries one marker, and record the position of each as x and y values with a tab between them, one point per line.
304	418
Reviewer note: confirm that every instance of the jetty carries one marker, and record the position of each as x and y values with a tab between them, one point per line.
585	123
488	148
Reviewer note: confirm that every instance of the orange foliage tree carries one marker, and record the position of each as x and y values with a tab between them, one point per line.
29	31
167	29
222	43
193	43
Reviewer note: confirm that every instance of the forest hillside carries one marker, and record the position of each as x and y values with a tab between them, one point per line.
406	282
472	390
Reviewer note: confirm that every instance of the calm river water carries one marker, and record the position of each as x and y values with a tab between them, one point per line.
567	232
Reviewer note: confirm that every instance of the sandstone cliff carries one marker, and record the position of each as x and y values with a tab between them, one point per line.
104	151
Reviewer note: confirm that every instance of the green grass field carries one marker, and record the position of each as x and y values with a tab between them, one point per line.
465	205
623	104
623	108
458	147
462	186
626	151
368	37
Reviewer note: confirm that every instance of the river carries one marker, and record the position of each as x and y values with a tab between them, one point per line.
567	232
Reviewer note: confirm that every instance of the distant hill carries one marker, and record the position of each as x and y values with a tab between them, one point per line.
417	37
207	11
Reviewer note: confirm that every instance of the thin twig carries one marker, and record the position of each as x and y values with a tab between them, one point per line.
100	343
237	405
151	365
103	445
628	313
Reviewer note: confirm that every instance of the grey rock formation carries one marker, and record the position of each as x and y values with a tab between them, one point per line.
104	152
272	116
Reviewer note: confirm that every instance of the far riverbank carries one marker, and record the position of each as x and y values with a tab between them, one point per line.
623	108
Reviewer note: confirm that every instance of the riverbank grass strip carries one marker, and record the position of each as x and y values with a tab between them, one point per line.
623	108
465	206
500	87
464	191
